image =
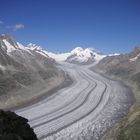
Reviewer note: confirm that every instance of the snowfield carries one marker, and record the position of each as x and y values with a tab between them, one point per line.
83	111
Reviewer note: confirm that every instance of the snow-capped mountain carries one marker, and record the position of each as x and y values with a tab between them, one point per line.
84	56
8	44
37	49
77	55
56	57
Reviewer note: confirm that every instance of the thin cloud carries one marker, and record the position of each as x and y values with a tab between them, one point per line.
17	27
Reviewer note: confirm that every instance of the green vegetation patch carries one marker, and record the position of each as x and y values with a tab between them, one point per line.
129	130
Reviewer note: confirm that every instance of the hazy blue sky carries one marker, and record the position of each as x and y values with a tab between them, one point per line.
60	25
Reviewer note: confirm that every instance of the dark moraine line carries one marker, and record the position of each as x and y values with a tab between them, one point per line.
51	97
49	134
66	83
69	102
70	110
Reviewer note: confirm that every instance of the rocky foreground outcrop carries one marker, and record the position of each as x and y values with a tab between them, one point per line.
14	127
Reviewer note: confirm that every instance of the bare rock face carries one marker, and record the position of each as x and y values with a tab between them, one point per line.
20	67
14	127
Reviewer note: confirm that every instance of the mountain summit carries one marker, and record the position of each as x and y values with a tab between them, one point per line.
8	44
84	56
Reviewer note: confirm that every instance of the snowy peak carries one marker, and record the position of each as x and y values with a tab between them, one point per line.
7	43
34	47
84	56
37	49
88	52
77	50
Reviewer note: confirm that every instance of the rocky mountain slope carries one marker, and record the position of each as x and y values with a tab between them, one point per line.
125	67
24	72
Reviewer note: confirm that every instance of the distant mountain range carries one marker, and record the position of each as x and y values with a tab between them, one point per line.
77	55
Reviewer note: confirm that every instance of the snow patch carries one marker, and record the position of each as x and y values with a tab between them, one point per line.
20	46
32	47
37	49
42	53
99	57
59	57
134	58
9	47
115	54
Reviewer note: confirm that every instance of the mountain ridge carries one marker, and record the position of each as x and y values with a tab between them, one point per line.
24	73
77	55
